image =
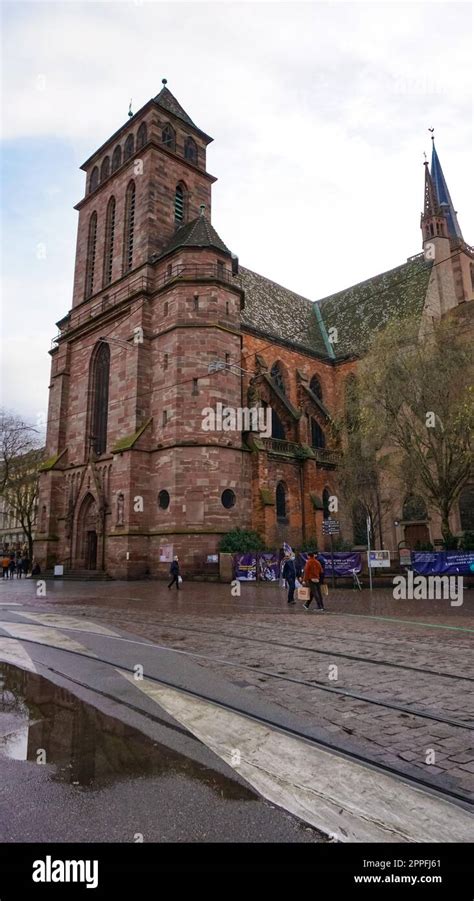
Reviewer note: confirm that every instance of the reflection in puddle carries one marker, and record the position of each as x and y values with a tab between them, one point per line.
43	723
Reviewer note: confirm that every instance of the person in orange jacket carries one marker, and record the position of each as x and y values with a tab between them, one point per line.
312	577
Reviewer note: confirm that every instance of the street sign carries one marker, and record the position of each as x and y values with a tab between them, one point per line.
379	558
330	526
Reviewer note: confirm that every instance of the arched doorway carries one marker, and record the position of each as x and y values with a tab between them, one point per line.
86	547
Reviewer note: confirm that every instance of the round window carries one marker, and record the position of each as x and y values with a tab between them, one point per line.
163	500
228	498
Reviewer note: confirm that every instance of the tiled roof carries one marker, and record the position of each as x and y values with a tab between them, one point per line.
274	310
360	310
167	101
198	233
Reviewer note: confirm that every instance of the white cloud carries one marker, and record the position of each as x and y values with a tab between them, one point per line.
319	112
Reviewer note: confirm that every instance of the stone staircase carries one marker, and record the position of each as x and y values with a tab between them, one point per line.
80	575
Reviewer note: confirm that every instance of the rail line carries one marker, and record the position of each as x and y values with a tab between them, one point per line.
410	779
315	685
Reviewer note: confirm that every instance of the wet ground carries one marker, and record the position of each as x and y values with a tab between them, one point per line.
71	773
390	680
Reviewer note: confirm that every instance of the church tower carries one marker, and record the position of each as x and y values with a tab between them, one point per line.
443	243
131	472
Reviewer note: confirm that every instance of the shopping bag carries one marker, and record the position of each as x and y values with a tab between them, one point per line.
303	594
298	583
179	580
282	583
324	589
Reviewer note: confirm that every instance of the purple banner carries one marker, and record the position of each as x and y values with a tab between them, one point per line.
245	567
344	563
443	562
269	567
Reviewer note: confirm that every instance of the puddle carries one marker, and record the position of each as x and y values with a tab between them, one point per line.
41	722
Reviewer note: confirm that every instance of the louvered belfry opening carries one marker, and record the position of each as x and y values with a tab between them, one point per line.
91	251
109	241
129	228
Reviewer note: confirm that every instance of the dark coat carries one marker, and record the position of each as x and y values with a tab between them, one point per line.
289	571
174	568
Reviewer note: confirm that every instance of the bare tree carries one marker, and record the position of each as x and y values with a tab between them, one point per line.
416	400
20	456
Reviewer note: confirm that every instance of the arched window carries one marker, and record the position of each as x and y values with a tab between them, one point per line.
141	136
359	523
94	180
100	373
278	429
466	508
317	435
105	168
326	510
179	199
116	158
129	147
129	228
163	500
276	373
315	387
168	137
190	150
109	241
281	501
414	508
472	276
91	250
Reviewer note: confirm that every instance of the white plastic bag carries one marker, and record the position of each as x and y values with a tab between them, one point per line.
298	583
179	580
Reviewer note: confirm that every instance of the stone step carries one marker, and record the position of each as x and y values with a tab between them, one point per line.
81	575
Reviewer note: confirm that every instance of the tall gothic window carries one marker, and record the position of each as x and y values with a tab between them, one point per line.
280	501
105	168
116	158
94	179
100	398
190	150
315	387
168	137
179	204
318	438
109	241
129	147
141	136
91	251
276	373
129	228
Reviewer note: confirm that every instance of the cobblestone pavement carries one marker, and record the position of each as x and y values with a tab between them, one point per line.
416	655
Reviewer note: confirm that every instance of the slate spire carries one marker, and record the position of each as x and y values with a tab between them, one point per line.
443	196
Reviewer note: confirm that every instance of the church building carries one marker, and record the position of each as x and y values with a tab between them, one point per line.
166	323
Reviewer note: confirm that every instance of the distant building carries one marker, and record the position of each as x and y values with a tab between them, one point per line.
158	299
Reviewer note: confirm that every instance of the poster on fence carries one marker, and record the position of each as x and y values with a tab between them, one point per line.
447	563
269	566
344	563
245	567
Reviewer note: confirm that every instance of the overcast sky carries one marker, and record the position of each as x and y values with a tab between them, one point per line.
320	115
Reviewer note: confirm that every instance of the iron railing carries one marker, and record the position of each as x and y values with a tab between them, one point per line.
281	446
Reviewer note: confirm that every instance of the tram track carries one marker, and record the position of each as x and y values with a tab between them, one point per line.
447	794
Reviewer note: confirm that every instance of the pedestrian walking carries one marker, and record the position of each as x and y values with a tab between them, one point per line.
19	567
174	572
26	565
12	567
312	577
5	565
35	569
289	573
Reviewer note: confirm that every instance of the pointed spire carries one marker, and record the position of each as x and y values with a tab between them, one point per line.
431	207
443	196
